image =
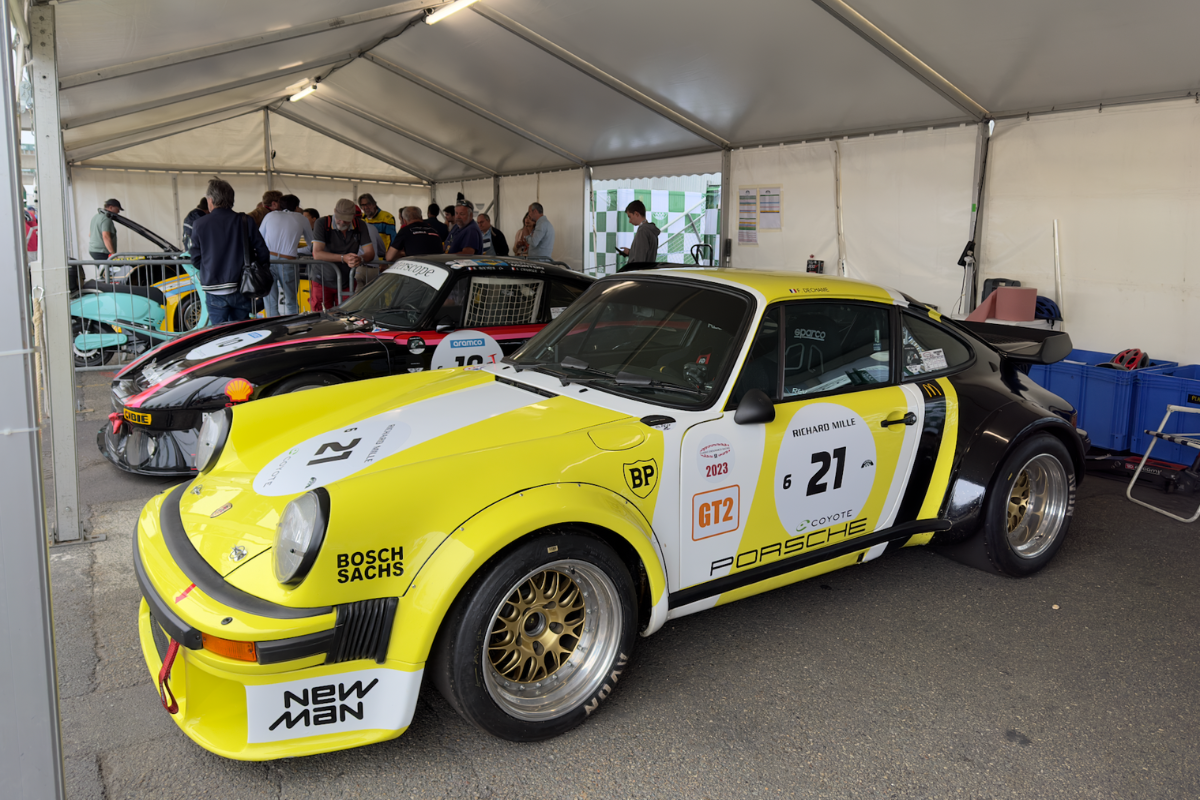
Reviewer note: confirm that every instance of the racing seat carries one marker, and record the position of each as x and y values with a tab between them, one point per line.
1186	439
152	293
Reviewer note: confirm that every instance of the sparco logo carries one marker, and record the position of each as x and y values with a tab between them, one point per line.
809	333
325	705
467	343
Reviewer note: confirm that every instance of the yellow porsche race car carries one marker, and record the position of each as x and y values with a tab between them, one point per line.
674	440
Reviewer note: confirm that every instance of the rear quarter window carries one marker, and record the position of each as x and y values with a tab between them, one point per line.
929	349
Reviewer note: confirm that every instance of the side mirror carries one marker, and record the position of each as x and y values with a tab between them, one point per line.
755	407
443	325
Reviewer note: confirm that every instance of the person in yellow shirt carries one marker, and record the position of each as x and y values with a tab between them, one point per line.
381	220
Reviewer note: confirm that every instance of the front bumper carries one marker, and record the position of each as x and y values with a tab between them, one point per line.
322	681
145	451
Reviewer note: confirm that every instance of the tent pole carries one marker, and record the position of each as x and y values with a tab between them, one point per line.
841	231
725	246
588	210
982	140
60	362
31	758
267	157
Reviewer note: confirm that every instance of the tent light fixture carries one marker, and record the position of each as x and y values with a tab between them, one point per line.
445	11
303	93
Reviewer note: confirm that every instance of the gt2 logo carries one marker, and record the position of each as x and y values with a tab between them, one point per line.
791	547
713	470
809	333
641	477
324	706
367	565
606	689
716	512
815	484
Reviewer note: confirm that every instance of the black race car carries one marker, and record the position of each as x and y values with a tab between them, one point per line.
423	313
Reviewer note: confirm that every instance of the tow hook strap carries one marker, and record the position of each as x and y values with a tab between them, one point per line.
164	678
115	418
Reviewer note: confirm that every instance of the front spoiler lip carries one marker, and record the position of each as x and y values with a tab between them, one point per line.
109	450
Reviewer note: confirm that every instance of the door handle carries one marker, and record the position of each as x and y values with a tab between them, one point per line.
908	419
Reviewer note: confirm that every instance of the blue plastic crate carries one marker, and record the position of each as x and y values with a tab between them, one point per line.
1179	386
1102	396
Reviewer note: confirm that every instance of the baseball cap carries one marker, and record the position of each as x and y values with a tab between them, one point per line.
112	201
344	210
465	204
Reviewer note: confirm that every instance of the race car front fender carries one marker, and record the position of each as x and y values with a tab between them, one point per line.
440	580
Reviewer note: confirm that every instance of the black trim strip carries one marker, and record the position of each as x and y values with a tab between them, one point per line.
774	570
535	389
207	579
175	627
276	651
928	446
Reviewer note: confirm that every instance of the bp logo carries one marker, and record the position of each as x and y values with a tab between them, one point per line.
641	477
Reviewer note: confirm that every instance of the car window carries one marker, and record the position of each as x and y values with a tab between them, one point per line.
929	348
761	370
561	294
834	347
487	301
659	341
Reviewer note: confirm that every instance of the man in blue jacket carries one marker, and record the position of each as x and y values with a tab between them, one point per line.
218	253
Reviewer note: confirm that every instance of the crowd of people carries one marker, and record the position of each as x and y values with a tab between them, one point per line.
347	242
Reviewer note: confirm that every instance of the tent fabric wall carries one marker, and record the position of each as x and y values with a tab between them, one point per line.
906	210
1124	186
805	173
561	196
149	199
233	144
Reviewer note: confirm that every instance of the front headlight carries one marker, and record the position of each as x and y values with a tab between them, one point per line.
213	433
299	534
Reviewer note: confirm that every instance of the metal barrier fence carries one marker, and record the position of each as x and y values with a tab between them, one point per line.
124	306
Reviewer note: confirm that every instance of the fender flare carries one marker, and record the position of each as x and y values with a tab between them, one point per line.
440	580
980	460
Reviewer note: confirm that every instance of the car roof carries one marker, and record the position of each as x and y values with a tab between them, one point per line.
500	264
777	285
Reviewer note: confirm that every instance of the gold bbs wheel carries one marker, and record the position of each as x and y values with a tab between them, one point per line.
1037	505
551	640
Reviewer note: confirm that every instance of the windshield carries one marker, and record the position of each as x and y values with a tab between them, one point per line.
399	297
660	341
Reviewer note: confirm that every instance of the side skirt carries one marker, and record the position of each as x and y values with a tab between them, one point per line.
715	588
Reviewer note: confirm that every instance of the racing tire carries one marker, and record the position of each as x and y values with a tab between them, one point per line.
539	638
187	314
89	358
307	380
1029	509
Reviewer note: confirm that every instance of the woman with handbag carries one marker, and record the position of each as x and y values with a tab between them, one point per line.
231	257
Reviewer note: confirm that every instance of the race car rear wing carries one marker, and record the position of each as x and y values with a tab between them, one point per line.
1024	345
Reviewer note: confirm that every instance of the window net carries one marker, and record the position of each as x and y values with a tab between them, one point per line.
503	301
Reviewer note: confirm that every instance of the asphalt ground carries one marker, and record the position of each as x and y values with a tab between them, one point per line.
912	676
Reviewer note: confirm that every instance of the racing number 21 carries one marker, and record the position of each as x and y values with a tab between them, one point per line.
345	451
816	484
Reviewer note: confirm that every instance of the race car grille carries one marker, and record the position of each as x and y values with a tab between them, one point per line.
363	630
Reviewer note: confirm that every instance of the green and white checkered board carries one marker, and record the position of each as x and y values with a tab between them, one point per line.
685	219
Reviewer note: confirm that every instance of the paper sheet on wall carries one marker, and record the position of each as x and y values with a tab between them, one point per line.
770	208
747	216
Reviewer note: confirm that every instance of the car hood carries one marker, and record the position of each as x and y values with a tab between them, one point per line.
409	433
226	351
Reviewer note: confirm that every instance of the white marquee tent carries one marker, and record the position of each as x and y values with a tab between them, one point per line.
520	100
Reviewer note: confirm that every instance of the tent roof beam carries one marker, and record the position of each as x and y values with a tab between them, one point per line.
124	142
399	71
346	140
172	168
77	122
898	53
594	72
382	123
223	48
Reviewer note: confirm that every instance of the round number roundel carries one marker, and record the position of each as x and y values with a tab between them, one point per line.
825	469
470	349
226	344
